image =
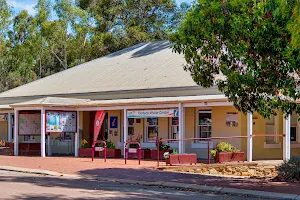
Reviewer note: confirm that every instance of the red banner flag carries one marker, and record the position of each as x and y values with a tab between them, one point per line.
99	117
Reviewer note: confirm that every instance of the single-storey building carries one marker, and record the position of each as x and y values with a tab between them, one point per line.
144	91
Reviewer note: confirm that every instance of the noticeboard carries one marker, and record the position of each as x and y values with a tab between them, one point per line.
30	124
61	121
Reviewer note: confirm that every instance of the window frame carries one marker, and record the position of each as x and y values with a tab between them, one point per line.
146	139
275	130
197	125
171	128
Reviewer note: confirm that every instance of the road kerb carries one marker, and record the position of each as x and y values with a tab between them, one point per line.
256	193
204	188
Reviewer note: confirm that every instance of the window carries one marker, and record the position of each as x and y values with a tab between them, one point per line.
293	134
204	124
151	129
131	126
270	130
174	128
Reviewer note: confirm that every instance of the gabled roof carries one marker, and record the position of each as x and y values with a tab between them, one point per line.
144	66
52	102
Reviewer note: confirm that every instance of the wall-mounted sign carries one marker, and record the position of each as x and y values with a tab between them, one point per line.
152	113
113	121
232	119
60	122
30	124
3	117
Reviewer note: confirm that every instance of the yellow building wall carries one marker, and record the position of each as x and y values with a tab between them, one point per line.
85	126
112	136
219	128
259	128
3	130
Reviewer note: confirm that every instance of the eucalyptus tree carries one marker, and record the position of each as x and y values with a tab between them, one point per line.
249	49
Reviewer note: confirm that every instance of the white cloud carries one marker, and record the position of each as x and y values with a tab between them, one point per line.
19	5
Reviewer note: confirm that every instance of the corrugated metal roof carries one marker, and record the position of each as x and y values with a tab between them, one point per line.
84	103
52	101
143	66
155	100
5	107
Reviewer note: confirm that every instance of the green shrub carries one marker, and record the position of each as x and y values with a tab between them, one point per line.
290	170
223	147
109	145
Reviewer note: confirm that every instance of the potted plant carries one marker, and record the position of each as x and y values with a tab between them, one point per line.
145	153
163	148
225	152
84	150
111	151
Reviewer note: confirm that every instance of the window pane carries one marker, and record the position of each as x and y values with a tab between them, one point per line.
152	133
204	118
130	130
174	120
174	132
130	122
293	134
152	121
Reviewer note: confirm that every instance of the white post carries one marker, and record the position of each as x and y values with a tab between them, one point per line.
249	138
287	137
9	139
77	136
125	122
43	133
16	130
49	149
181	127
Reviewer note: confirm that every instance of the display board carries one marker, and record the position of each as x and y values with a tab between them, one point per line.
30	124
61	121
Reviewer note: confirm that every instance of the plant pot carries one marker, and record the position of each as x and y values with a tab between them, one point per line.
230	157
179	159
161	154
85	152
145	154
176	159
110	153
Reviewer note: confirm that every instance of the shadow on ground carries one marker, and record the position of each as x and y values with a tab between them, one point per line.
154	175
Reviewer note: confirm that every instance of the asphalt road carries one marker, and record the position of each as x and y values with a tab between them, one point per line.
15	185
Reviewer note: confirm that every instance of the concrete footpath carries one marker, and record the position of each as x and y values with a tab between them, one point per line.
175	185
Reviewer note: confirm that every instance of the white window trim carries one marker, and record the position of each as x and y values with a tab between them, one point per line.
146	132
272	146
170	132
208	109
202	145
276	144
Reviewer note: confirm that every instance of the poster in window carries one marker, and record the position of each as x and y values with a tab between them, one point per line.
113	122
232	119
116	132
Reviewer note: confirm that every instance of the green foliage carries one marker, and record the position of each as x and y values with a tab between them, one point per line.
175	151
109	145
249	49
223	147
84	144
290	170
32	47
162	146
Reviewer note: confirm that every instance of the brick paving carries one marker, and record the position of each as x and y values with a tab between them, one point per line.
115	168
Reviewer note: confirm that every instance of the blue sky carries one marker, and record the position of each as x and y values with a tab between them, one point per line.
29	4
